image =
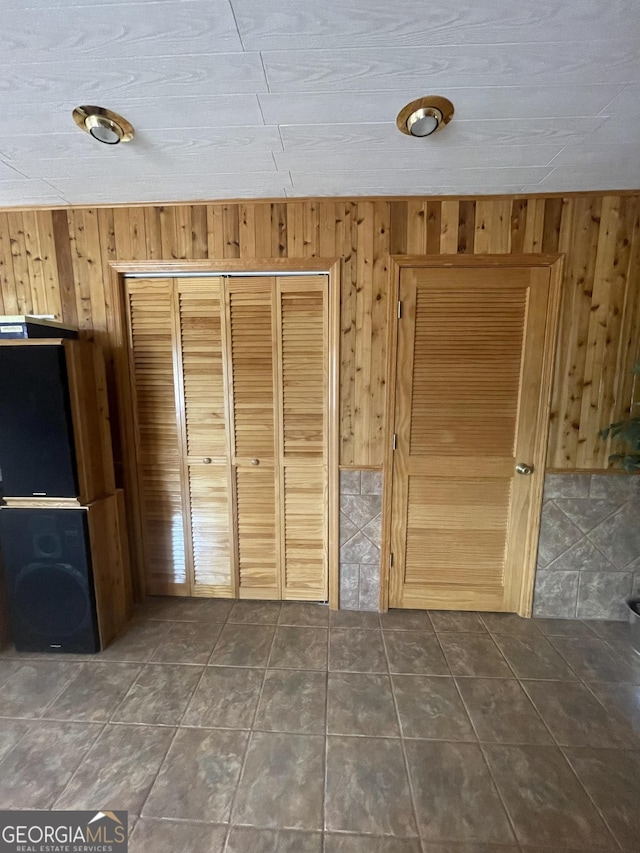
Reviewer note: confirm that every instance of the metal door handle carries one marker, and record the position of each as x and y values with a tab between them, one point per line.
207	460
255	461
523	468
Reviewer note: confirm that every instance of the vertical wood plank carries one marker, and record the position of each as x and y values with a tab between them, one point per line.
450	215
247	230
466	227
19	262
215	240
416	227
346	243
64	264
7	280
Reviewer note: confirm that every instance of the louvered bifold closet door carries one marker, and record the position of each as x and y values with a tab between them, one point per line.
468	380
303	394
159	453
202	342
252	365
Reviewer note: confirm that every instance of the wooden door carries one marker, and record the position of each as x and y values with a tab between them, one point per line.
229	381
472	387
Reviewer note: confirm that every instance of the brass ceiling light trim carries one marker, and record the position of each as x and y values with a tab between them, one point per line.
105	126
424	116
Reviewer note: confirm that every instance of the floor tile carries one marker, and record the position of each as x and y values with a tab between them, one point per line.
243	645
414	652
8	669
360	704
293	701
171	836
226	697
356	650
564	627
95	692
609	630
430	707
621	701
546	803
361	772
119	770
612	778
533	657
187	609
41	763
369	844
593	659
299	648
436	847
575	717
354	619
198	777
159	696
10	733
188	642
255	612
34	685
305	615
282	782
628	654
138	642
457	620
474	654
245	839
502	712
510	623
455	797
406	620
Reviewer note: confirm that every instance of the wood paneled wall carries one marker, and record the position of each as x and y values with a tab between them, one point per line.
56	261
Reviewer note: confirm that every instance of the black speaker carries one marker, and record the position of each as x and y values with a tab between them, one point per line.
37	452
49	581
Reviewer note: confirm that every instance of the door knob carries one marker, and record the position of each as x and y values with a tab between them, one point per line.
523	468
207	460
255	461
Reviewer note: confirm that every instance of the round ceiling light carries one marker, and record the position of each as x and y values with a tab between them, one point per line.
105	126
424	116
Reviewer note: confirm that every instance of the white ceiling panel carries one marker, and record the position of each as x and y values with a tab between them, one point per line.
240	141
237	98
423	177
550	63
419	157
173	188
162	77
471	103
292	25
137	30
458	133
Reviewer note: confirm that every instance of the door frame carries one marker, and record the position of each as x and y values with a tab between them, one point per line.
118	335
554	263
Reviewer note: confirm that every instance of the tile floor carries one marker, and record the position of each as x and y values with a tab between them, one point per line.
268	728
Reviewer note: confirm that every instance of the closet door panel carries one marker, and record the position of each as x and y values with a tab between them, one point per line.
251	367
209	483
302	391
150	307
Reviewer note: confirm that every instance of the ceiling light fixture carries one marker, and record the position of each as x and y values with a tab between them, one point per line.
103	125
424	116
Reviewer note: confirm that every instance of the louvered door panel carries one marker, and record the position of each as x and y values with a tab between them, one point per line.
251	345
201	341
468	380
158	451
303	372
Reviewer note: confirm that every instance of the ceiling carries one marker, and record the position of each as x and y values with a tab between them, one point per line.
275	98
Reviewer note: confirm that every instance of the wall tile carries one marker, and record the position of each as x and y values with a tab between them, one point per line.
557	533
556	594
566	486
590	523
581	557
349	482
371	482
360	539
601	595
618	537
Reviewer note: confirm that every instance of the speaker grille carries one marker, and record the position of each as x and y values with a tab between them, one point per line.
53	600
